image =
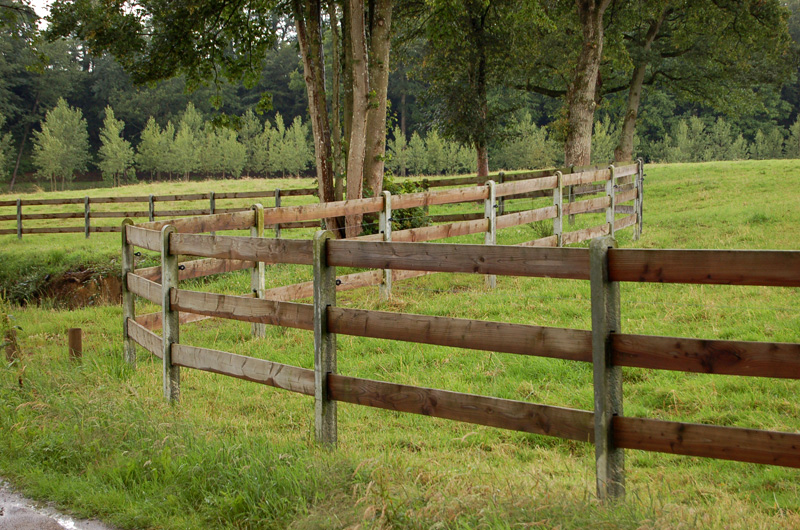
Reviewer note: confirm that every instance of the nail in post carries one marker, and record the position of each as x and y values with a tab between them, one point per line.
609	460
385	222
612	199
558	202
257	280
19	218
128	307
278	205
171	375
490	238
87	228
324	342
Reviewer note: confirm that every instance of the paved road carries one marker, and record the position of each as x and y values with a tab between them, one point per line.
19	513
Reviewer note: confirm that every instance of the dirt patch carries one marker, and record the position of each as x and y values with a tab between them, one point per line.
19	513
82	288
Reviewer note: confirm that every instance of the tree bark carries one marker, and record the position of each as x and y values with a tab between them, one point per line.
624	150
357	147
379	45
483	159
307	17
336	124
582	90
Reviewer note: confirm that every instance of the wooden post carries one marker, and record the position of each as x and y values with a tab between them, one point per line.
571	197
611	188
19	218
558	202
639	199
128	307
212	206
257	281
490	238
501	202
385	226
609	459
75	341
87	228
324	342
277	205
151	207
171	375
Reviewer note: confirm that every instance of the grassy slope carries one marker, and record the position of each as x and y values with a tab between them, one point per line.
96	438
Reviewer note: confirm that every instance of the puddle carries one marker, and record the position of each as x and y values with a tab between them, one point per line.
19	513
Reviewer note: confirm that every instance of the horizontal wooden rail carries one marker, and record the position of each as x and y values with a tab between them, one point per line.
155	320
626	196
242	248
145	338
147	289
530	216
561	422
143	237
777	268
526	186
569	238
480	259
198	268
585	206
586	177
549	241
711	441
322	210
286	314
755	359
207	223
269	373
522	339
625	222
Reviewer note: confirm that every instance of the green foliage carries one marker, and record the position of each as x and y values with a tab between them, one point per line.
116	153
402	219
435	156
5	151
528	146
153	148
62	146
768	146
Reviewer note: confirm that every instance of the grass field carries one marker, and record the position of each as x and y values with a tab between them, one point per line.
97	439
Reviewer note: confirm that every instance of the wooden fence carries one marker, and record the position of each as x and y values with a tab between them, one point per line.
90	210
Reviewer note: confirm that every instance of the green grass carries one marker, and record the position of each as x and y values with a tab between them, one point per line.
97	439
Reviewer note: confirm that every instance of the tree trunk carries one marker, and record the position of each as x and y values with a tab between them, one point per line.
379	45
357	148
307	17
483	159
624	150
582	90
336	124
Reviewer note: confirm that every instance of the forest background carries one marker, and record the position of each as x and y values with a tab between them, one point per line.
70	110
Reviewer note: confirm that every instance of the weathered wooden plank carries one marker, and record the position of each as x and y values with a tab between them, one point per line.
144	238
585	234
111	215
549	241
711	441
306	212
207	223
448	218
755	359
286	314
119	200
54	230
244	194
626	170
526	186
557	343
179	213
598	203
347	282
432	233
5	231
104	229
625	196
444	257
243	248
445	182
198	268
530	216
12	202
154	320
38	216
430	198
624	209
41	202
625	222
182	197
149	290
494	412
269	373
727	267
145	338
586	177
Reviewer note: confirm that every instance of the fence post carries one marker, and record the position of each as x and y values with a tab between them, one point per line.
171	375
151	207
609	459
324	342
87	228
558	202
501	202
277	205
19	218
128	307
611	188
571	197
639	205
257	283
385	226
75	344
490	238
212	206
